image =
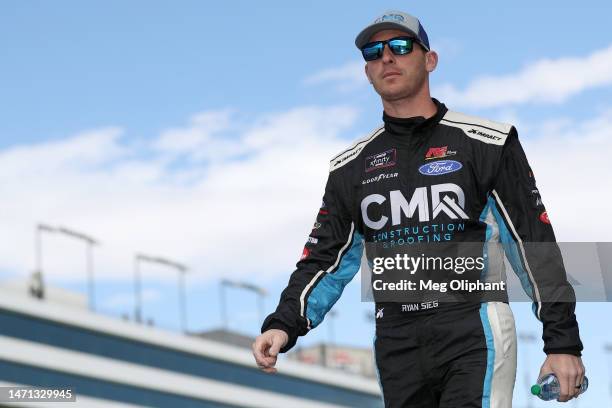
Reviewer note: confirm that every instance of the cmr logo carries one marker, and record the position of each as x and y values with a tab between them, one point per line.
390	17
441	202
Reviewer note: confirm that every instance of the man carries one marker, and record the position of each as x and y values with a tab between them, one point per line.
427	175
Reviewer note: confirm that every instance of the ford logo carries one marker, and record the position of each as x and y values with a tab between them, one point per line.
440	167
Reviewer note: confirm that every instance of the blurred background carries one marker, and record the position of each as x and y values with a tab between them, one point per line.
161	164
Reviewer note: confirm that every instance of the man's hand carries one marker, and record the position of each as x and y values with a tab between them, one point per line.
569	371
266	348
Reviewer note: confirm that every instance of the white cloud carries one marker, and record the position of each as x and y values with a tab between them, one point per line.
228	201
87	149
201	129
544	81
569	159
247	209
346	77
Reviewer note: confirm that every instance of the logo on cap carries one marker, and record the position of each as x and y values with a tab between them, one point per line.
390	17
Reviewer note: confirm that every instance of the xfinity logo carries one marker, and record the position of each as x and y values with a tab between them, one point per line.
452	205
479	133
384	159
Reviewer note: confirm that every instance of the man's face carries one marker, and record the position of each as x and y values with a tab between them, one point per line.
397	77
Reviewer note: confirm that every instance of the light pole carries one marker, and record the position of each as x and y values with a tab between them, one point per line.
37	288
89	244
182	269
528	338
260	292
89	241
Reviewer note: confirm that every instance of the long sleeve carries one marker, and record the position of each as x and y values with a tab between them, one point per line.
330	259
531	248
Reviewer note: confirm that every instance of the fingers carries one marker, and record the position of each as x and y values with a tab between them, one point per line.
569	371
566	387
582	372
580	380
546	369
576	377
569	377
261	351
258	350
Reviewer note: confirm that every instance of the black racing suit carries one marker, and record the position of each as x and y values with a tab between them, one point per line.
451	177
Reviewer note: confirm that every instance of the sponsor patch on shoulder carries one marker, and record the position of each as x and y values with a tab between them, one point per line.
483	134
544	218
440	167
380	160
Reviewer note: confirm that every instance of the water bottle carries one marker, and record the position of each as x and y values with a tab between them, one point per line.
548	387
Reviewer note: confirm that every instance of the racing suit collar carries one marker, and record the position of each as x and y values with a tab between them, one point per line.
403	126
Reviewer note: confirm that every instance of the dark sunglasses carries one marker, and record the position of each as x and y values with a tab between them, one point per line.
398	46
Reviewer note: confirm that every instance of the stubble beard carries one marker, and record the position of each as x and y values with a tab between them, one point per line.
412	88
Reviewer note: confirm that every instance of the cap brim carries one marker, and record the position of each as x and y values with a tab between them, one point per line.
364	36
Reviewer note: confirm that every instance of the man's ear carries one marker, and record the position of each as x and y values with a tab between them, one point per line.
365	67
431	61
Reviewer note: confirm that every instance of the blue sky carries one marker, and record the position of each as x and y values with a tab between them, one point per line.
201	131
69	66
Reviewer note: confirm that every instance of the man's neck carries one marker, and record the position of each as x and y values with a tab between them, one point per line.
411	107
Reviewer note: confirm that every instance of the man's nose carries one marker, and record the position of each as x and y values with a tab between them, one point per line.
388	56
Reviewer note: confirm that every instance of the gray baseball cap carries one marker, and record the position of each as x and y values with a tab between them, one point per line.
390	20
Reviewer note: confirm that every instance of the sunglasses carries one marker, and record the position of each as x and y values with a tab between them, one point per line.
398	46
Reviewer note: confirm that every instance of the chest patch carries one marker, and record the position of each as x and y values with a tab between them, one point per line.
387	158
439	153
440	167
